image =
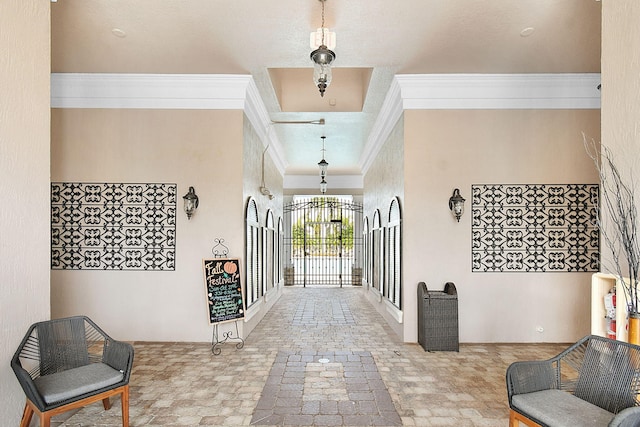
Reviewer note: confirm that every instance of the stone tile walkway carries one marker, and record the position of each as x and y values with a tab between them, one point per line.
184	384
310	388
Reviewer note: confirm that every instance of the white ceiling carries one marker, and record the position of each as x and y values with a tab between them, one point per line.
375	40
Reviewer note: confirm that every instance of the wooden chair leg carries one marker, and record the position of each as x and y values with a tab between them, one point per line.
124	398
26	415
512	419
515	419
45	419
106	403
29	410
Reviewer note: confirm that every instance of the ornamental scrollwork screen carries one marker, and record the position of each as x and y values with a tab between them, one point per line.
535	228
113	226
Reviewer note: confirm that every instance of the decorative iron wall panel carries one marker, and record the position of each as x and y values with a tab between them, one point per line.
535	228
113	226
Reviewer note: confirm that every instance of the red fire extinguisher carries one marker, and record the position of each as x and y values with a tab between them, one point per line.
610	306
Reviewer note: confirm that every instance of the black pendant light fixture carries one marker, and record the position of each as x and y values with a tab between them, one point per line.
322	58
323	165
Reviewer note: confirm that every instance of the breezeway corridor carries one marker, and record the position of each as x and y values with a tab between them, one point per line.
321	357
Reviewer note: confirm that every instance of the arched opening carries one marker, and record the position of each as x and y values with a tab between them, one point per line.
323	241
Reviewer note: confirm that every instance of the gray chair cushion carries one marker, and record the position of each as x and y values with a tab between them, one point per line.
75	382
629	417
562	409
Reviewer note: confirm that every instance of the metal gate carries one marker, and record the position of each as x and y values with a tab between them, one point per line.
323	241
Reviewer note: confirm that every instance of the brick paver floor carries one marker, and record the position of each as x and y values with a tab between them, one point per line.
324	357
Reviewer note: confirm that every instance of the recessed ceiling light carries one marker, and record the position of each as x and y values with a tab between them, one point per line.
527	32
118	33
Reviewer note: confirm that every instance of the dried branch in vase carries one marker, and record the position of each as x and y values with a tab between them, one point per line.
617	220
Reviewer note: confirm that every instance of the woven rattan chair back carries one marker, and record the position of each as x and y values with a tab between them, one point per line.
609	374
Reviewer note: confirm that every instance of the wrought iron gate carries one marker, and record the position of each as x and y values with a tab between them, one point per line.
323	241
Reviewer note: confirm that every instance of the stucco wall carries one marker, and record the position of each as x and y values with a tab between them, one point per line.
621	88
451	149
196	148
621	81
252	175
24	184
252	181
384	179
383	182
455	149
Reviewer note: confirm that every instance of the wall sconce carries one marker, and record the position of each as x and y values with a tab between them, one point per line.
456	204
191	202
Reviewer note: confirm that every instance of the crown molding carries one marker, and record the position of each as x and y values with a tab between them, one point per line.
499	91
257	113
389	114
407	92
168	91
478	91
152	91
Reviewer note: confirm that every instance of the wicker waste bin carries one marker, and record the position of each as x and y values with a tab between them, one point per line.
288	276
438	318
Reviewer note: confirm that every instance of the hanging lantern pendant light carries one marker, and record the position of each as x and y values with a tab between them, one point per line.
323	164
322	58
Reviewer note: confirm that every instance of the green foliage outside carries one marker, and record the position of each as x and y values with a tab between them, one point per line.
326	231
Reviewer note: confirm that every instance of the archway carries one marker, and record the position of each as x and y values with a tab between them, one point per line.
323	241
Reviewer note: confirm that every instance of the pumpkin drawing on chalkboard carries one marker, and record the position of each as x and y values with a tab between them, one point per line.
230	267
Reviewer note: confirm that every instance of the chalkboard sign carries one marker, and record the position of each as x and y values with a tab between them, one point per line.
224	290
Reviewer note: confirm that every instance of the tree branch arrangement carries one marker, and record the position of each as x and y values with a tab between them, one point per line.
619	227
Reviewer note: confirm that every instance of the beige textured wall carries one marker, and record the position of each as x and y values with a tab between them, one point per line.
252	175
428	154
455	149
382	183
621	89
24	184
384	179
252	181
195	148
621	81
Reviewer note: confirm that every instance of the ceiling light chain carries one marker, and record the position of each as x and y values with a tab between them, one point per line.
323	27
322	58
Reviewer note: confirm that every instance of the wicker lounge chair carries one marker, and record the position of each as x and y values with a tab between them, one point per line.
595	382
68	363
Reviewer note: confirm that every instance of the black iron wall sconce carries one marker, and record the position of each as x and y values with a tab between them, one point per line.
191	202
456	204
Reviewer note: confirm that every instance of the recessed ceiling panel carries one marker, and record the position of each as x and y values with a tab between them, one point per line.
375	40
296	91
